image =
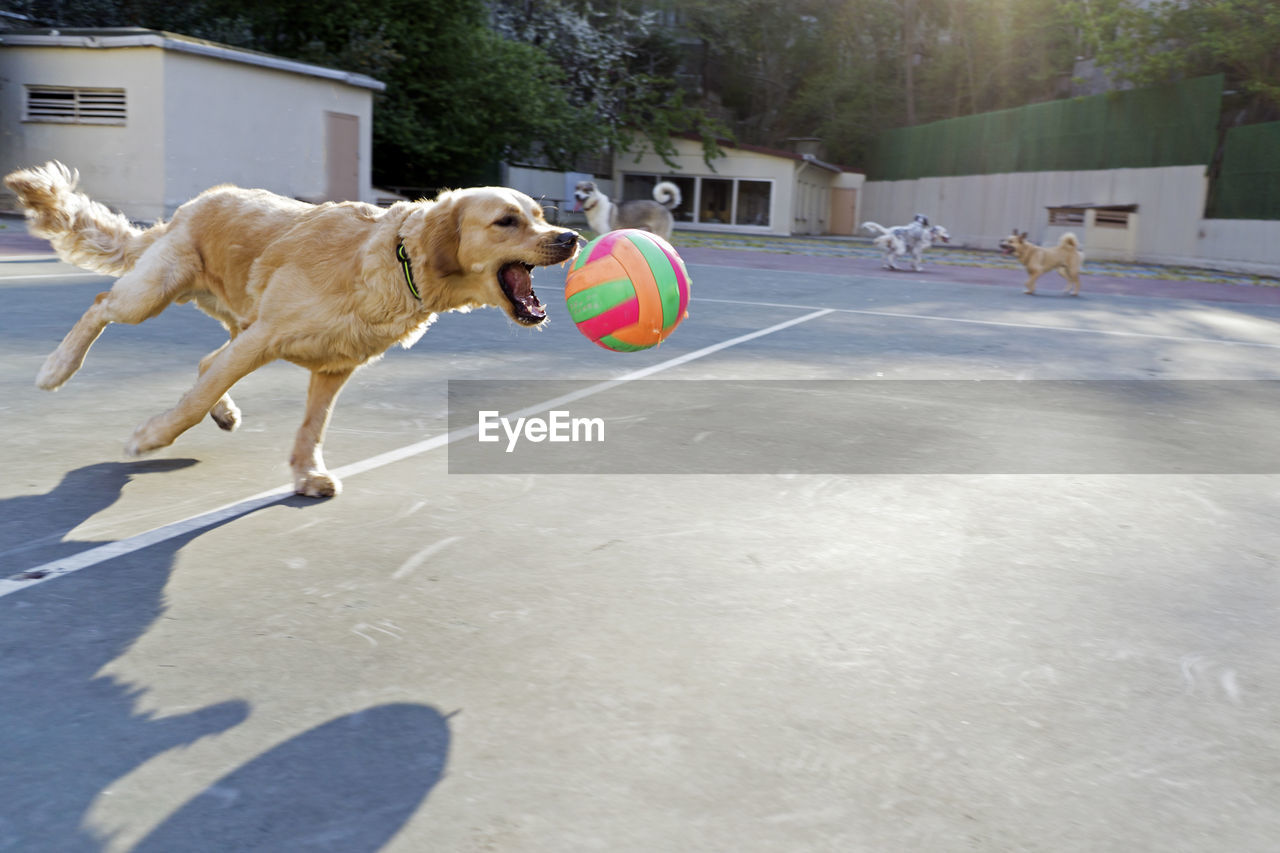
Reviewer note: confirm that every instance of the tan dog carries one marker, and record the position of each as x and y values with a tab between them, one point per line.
329	287
1065	257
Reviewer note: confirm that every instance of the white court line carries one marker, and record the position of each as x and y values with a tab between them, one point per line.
54	275
1040	327
111	550
46	257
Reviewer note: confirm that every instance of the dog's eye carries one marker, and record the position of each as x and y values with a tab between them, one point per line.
506	221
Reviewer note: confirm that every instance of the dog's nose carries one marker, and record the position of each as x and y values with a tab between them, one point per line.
567	238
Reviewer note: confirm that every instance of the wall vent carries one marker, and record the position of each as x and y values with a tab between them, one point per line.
75	105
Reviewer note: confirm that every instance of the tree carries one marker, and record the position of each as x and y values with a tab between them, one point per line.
844	70
1170	40
461	95
620	71
759	52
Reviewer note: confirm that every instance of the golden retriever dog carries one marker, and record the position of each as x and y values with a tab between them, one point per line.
1065	257
329	287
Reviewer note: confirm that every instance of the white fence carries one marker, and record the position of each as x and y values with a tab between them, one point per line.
979	210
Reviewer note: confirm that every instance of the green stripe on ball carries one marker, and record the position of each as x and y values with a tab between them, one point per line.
599	298
665	277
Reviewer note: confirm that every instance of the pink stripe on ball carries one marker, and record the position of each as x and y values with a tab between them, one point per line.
608	322
604	245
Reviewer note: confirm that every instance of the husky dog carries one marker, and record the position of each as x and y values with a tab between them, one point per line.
901	240
603	215
1065	257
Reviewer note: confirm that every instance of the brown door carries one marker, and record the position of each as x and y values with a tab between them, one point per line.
342	156
844	210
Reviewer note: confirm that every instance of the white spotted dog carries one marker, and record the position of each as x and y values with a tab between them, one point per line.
604	215
901	240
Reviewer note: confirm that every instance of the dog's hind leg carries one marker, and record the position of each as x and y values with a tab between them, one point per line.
1073	281
310	477
888	256
238	358
225	413
138	295
64	361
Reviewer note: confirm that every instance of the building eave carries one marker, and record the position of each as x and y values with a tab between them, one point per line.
127	37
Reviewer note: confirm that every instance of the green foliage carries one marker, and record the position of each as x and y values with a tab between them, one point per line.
463	92
470	82
503	100
845	70
620	72
1166	40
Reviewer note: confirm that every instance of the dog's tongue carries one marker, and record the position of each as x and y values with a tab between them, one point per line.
518	283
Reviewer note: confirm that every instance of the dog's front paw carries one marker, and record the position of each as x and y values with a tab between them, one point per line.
226	414
136	447
53	373
145	439
316	484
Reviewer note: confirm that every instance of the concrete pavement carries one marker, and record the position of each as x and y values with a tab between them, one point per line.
639	662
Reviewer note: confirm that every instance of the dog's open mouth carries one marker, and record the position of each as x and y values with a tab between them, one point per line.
516	280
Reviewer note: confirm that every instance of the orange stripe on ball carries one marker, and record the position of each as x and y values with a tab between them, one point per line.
637	267
639	334
597	272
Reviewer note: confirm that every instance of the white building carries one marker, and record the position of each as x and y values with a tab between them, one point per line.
151	118
748	190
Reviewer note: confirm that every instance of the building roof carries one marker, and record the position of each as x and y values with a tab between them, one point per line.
776	152
782	152
118	37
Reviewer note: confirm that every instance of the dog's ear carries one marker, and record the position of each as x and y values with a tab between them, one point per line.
442	237
1024	235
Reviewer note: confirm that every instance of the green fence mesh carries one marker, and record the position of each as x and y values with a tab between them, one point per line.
1249	185
1174	125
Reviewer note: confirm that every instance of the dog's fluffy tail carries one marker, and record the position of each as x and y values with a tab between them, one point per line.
666	194
1069	239
874	226
82	231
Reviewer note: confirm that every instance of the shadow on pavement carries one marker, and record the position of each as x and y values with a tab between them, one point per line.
68	733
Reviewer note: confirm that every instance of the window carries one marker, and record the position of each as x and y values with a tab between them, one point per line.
753	203
1111	219
640	187
709	201
75	105
717	201
1066	216
1110	216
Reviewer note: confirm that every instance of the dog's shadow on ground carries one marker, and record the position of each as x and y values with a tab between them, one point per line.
68	733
